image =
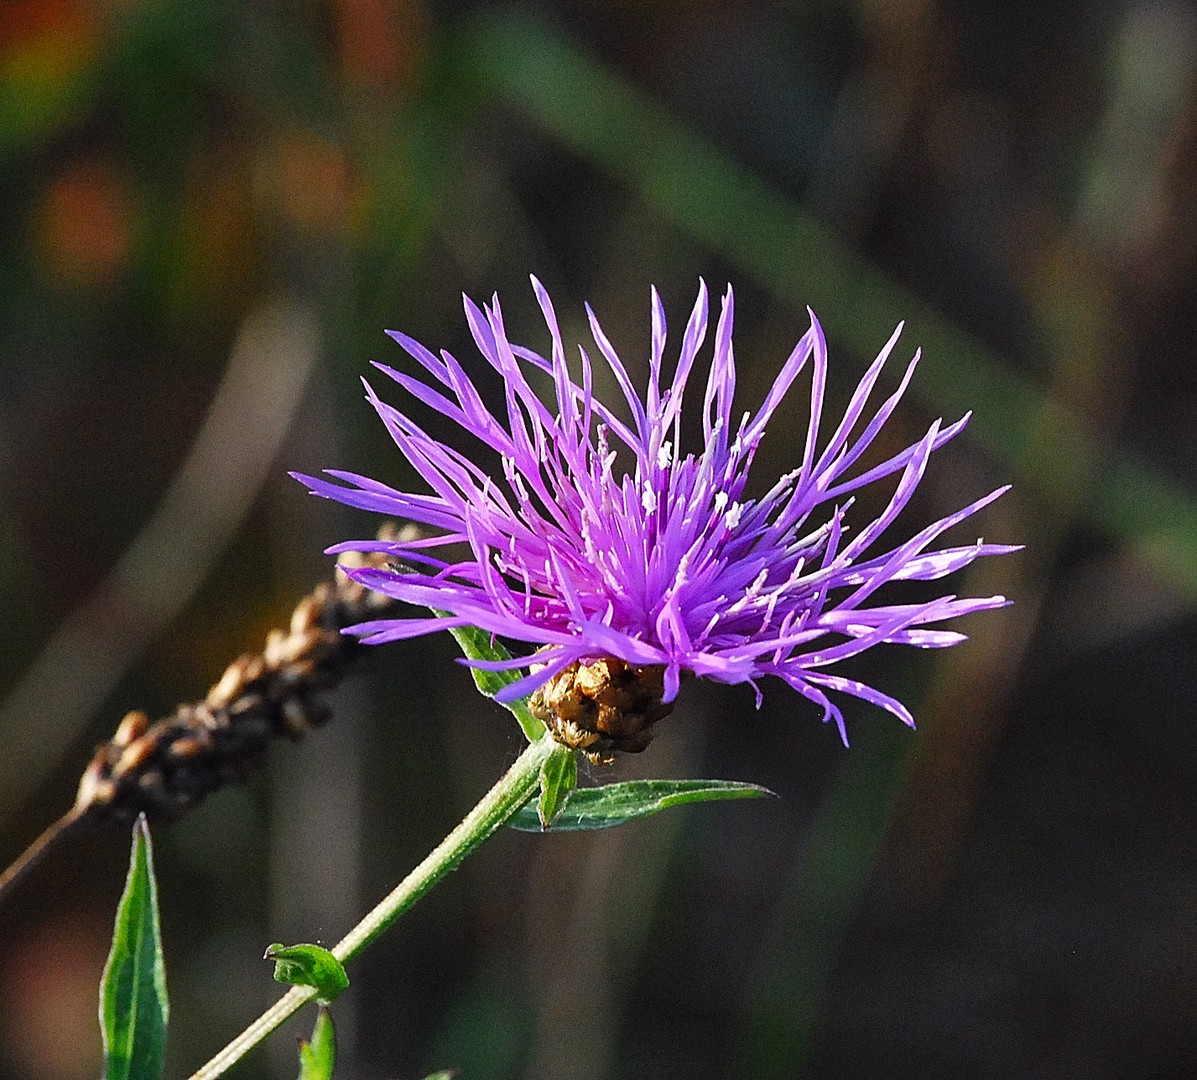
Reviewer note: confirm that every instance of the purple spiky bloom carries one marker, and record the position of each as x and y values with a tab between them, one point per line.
662	561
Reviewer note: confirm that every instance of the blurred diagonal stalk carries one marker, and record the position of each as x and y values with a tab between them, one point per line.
1054	438
798	259
162	569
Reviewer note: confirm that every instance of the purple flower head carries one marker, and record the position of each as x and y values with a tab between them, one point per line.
601	539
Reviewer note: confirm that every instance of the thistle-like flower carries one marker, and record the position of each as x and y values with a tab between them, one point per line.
625	562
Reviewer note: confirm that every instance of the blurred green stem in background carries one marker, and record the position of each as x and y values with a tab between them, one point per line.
722	204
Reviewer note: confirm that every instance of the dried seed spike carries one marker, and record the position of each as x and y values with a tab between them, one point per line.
136	755
104	791
166	768
229	686
273	653
132	727
190	746
94	786
298	646
255	668
244	704
306	616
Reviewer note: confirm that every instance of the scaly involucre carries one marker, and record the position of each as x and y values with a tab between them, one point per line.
601	539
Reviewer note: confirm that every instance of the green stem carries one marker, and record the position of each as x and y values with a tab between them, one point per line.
496	806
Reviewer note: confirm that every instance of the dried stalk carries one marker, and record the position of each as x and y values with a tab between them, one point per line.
167	768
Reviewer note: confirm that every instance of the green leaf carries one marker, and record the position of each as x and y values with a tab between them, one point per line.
316	1056
479	645
444	1074
613	804
309	965
133	1005
558	777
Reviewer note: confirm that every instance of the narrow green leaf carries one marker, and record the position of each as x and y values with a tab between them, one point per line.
309	965
444	1074
558	777
133	1005
613	804
316	1057
479	645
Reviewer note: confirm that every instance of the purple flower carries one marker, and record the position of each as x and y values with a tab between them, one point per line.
600	538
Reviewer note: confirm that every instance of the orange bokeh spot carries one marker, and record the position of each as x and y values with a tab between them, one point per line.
379	40
84	230
312	181
24	22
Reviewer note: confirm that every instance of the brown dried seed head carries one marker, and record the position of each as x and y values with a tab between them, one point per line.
167	767
95	789
190	746
297	672
245	703
230	685
135	755
94	785
306	615
212	718
303	646
273	651
132	727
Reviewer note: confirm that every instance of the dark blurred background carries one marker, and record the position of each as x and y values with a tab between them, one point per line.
211	211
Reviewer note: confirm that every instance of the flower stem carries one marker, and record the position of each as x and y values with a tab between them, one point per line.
496	806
